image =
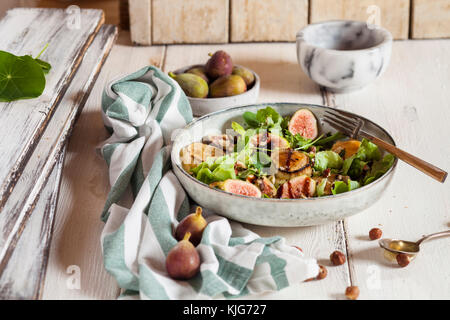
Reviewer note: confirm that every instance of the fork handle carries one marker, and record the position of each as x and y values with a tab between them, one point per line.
427	168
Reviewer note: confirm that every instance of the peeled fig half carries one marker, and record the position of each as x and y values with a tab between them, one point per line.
236	186
183	260
192	85
304	123
220	64
297	188
193	224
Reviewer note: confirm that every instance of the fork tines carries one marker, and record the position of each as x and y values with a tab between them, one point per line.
345	122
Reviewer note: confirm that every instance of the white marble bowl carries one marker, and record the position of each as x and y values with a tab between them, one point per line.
343	55
274	212
200	107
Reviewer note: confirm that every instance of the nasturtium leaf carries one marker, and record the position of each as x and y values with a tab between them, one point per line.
20	77
44	65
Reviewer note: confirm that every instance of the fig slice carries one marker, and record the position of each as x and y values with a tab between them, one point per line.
194	224
243	188
183	260
297	188
304	123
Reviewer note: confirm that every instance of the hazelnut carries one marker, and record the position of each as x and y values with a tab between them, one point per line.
352	292
403	259
375	234
337	258
322	273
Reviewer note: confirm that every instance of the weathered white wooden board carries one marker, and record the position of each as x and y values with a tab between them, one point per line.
84	188
21	205
23	276
411	101
27	31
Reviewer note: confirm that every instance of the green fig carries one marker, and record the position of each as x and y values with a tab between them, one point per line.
183	260
246	74
227	86
199	71
193	223
220	64
192	85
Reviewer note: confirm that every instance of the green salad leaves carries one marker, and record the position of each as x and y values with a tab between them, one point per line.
327	159
253	157
21	77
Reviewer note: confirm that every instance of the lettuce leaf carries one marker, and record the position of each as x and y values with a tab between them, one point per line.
327	159
341	187
320	189
367	151
212	170
379	168
356	169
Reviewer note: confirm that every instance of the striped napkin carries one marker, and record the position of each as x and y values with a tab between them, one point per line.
146	201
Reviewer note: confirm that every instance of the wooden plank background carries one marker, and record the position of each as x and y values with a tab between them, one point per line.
179	21
40	171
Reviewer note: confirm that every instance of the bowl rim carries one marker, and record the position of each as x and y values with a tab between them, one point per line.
248	92
278	200
388	38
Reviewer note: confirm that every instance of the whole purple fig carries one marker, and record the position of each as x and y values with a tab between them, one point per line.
220	64
193	223
183	260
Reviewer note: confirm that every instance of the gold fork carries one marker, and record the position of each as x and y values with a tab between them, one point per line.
352	126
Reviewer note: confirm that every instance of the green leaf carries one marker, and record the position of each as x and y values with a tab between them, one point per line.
44	65
321	187
356	169
205	175
213	170
238	128
341	187
329	139
20	77
260	160
379	168
367	151
251	120
327	159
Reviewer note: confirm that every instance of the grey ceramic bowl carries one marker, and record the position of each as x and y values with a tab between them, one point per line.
274	212
201	107
343	55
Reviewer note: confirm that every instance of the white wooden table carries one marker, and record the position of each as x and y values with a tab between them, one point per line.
411	100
